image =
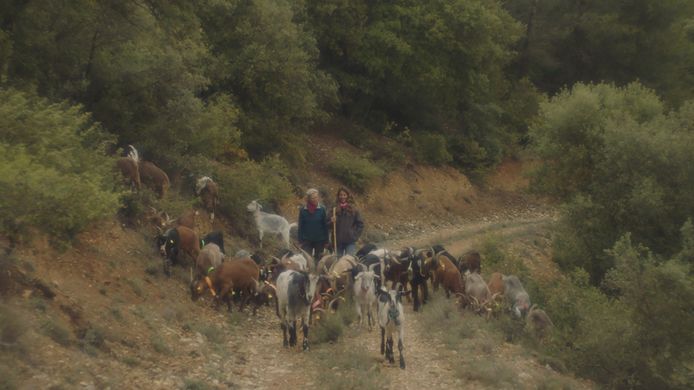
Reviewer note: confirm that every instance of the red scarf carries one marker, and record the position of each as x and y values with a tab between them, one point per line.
311	207
344	205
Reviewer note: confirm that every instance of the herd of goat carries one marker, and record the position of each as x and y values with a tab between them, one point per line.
301	287
376	278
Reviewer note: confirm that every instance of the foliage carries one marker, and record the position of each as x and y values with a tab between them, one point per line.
53	173
615	41
434	65
269	62
355	171
620	163
638	340
431	149
265	181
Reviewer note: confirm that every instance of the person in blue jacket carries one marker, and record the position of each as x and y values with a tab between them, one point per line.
313	225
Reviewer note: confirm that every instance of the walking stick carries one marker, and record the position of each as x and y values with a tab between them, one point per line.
334	232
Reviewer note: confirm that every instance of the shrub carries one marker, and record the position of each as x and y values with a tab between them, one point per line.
619	163
53	171
56	331
431	149
245	181
355	171
12	325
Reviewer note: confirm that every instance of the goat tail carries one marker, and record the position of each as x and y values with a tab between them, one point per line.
293	224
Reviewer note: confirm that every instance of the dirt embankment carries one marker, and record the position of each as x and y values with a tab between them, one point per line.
115	321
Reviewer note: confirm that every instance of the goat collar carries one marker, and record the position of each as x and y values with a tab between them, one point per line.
209	284
210	270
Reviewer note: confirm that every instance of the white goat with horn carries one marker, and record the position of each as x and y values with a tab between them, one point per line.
269	223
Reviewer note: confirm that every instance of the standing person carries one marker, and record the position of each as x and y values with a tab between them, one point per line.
313	225
349	225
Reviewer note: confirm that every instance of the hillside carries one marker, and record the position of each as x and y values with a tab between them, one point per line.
116	321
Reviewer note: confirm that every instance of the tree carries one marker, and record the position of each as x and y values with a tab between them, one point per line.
621	164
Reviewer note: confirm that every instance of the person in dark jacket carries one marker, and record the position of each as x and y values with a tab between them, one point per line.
348	224
313	225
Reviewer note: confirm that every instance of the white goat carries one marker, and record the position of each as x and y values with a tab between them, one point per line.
391	318
269	223
365	296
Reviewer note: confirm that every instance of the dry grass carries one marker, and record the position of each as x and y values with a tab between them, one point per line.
347	368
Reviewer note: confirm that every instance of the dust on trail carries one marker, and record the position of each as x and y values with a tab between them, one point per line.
266	364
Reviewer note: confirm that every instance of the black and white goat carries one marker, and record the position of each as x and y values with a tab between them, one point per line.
391	319
296	291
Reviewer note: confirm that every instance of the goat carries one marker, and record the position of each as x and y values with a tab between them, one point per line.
440	254
538	323
174	241
155	177
447	274
391	319
496	283
269	223
340	272
296	291
216	237
420	268
470	261
516	295
476	292
325	263
208	191
364	250
231	277
162	220
130	170
209	258
365	295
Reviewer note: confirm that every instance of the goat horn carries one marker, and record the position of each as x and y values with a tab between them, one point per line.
191	274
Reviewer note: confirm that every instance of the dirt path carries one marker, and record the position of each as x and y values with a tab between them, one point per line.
268	365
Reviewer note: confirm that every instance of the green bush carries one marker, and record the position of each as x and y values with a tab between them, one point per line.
641	338
620	164
355	171
53	171
242	182
57	332
431	149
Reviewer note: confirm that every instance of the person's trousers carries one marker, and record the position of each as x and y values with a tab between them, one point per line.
314	249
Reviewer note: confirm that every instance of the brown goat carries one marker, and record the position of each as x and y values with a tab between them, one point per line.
470	261
155	177
177	240
210	257
208	191
496	284
129	168
161	219
538	323
448	275
237	276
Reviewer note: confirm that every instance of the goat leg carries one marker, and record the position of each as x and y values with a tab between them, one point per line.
400	348
285	343
383	337
305	329
389	350
292	334
415	295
